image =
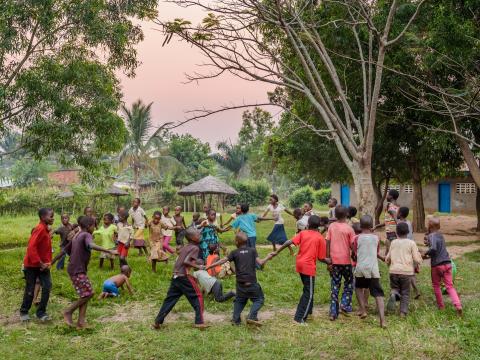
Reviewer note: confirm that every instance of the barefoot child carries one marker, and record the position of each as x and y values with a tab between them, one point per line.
155	228
238	211
111	286
367	273
441	265
179	226
79	250
278	236
402	216
36	265
168	226
63	231
209	233
246	260
183	283
107	235
402	259
139	221
124	237
196	221
311	247
210	285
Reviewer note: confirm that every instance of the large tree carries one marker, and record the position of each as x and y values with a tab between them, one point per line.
58	87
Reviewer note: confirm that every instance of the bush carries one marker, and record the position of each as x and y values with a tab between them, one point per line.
301	196
253	192
322	196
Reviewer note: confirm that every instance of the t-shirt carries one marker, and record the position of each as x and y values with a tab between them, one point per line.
63	231
245	260
106	236
367	247
205	280
79	251
331	213
277	213
403	256
246	224
390	221
302	223
170	222
410	228
138	217
188	251
125	232
341	236
156	232
312	247
437	249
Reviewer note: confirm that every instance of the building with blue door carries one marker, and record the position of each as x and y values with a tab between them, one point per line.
455	195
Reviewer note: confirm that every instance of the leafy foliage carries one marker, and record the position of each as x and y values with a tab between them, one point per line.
322	196
231	156
27	172
301	196
253	192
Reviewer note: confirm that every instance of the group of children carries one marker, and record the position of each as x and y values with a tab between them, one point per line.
350	251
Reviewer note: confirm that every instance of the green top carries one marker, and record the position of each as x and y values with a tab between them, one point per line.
106	236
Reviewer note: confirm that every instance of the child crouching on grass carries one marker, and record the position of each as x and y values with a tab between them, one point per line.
183	283
111	286
79	250
210	285
246	260
312	247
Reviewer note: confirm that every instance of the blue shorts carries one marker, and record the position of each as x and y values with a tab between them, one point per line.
110	287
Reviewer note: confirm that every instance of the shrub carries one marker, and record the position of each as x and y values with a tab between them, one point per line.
253	192
301	196
322	196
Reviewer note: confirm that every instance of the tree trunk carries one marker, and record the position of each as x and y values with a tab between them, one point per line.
136	180
380	198
470	159
478	209
418	207
362	180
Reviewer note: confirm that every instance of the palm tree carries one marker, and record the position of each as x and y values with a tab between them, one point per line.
143	151
231	157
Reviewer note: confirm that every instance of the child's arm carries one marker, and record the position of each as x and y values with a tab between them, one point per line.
285	245
99	248
262	218
289	212
262	262
217	263
129	287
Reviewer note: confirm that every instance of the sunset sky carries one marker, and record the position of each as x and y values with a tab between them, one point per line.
161	79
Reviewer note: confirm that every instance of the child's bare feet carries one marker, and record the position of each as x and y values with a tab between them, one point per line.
156	326
68	318
82	326
201	326
254	322
383	324
332	318
363	316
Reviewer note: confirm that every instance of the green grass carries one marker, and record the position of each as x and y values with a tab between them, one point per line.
120	327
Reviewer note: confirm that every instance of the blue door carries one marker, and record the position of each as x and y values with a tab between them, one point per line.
444	197
345	195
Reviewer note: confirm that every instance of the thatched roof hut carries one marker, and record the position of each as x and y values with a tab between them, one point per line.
115	191
209	185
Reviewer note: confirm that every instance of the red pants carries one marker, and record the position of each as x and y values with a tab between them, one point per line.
122	250
444	272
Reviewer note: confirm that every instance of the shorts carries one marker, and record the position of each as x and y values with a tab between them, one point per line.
110	288
373	284
122	250
82	285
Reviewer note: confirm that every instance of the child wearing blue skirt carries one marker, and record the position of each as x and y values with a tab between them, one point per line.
278	236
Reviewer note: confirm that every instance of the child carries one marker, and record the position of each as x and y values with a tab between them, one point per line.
300	224
441	265
156	240
402	215
111	286
246	260
139	221
367	273
332	204
402	258
209	234
391	210
124	237
238	211
210	285
79	250
88	211
179	226
183	283
63	231
36	265
340	238
220	271
312	247
107	234
278	236
196	221
352	212
120	210
324	221
168	226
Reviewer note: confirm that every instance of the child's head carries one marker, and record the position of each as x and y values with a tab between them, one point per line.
392	195
314	222
307	207
195	216
136	203
178	210
273	199
356	228
65	219
165	210
46	216
238	209
241	239
206	207
211	215
403	212
123	216
433	224
192	235
200	262
125	270
366	222
88	211
245	208
120	209
87	224
297	213
213	249
324	221
402	230
341	212
157	216
352	212
108	219
332	202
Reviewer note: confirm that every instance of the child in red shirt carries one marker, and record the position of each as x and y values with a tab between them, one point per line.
312	247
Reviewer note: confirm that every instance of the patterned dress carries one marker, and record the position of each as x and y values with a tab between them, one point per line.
209	236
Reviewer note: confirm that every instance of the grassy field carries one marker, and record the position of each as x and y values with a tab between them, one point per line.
120	327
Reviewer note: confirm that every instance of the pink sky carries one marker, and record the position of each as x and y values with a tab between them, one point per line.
161	79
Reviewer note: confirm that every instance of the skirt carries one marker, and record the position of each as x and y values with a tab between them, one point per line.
138	238
278	235
157	253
